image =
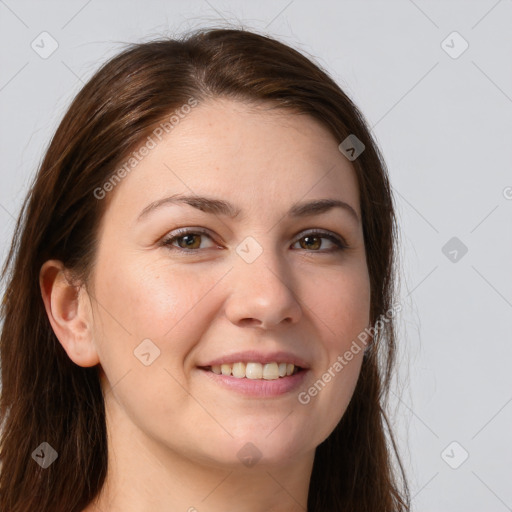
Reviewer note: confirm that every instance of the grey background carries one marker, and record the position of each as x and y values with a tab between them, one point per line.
444	125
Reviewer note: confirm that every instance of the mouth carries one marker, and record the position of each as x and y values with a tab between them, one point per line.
263	381
255	370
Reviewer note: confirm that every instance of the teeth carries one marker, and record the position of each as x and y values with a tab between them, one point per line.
254	371
238	370
269	371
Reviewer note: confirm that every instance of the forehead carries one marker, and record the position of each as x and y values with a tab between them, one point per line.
252	155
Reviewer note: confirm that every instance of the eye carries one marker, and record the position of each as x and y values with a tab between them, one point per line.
313	240
188	241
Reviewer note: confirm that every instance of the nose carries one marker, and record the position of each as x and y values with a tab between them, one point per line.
262	293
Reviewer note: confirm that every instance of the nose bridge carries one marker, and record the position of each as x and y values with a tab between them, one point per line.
259	254
263	288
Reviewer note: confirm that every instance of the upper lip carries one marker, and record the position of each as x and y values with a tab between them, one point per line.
253	356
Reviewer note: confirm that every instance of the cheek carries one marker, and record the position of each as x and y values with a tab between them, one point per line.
340	380
159	302
169	304
340	301
151	300
340	304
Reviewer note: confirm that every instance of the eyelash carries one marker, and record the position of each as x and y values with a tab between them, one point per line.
341	245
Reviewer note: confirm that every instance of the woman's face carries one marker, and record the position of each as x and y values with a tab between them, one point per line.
263	280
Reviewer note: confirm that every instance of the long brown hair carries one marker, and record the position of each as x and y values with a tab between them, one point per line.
45	397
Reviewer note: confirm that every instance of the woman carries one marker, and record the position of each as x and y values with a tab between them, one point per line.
199	303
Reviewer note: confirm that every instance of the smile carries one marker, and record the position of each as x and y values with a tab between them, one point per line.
251	370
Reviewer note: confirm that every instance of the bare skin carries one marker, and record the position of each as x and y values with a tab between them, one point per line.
174	435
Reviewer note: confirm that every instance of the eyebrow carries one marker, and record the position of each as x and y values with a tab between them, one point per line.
221	207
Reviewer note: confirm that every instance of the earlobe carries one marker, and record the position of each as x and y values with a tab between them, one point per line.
69	313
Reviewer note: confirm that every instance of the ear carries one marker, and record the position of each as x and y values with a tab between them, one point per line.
69	310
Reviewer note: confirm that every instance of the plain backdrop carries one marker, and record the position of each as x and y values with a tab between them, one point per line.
434	80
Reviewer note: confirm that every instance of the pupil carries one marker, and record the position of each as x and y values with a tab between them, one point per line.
188	240
310	238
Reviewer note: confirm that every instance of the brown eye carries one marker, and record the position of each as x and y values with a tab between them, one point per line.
186	240
313	242
189	241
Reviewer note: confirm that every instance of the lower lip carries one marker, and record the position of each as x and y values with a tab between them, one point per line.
258	387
